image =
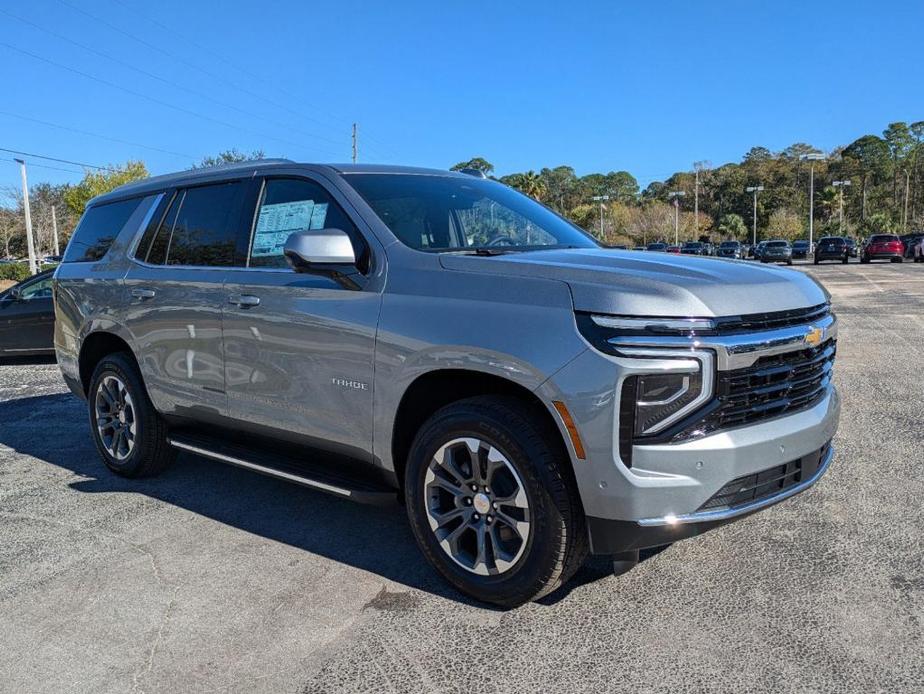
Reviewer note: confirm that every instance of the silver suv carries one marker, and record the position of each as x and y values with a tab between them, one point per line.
370	331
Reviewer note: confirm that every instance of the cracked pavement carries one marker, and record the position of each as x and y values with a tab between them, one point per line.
211	578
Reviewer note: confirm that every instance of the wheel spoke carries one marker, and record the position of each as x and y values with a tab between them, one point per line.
479	531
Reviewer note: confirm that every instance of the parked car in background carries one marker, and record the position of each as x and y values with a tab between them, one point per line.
257	312
882	247
756	250
832	248
619	246
777	251
911	242
729	249
27	317
673	249
710	248
638	248
851	247
658	246
693	248
800	249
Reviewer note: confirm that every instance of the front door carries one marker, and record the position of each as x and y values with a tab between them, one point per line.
299	348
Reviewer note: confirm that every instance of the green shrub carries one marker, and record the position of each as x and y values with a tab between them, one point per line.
14	271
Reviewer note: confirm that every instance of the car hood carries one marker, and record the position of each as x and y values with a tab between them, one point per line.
642	284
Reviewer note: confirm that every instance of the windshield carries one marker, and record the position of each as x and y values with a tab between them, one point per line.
883	238
730	244
692	244
800	244
777	244
451	213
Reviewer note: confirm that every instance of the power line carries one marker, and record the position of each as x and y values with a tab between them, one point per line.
159	78
45	166
60	161
333	119
151	98
190	65
97	135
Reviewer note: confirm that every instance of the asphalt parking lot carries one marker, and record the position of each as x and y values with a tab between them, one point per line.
215	579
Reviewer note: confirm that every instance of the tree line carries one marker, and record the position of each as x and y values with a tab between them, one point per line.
879	190
879	183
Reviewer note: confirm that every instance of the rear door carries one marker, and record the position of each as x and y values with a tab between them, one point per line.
299	347
176	294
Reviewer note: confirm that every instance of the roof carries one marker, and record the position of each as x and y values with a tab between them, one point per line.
253	167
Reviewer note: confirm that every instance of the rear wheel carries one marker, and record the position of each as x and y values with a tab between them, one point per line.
129	434
897	260
491	503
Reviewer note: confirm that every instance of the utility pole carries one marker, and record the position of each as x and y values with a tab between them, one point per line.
840	186
25	202
697	167
813	157
54	228
676	195
354	143
601	199
907	189
755	190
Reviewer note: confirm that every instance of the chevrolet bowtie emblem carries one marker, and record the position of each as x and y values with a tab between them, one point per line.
813	337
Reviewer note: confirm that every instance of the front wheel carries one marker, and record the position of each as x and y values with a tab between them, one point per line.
491	502
129	434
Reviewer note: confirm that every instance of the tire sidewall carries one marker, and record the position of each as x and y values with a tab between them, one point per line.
542	546
115	365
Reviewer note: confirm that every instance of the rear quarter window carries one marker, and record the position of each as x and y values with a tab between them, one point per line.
98	228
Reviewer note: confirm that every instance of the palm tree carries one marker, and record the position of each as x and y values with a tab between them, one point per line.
531	184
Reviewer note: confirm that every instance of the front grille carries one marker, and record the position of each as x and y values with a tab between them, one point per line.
771	321
760	485
773	386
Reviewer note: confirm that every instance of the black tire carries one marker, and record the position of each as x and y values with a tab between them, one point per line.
817	261
789	262
150	453
897	260
864	259
556	544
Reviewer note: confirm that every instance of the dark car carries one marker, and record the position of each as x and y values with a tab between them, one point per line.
800	249
730	249
851	247
910	241
832	248
694	248
883	247
657	247
27	318
757	250
776	252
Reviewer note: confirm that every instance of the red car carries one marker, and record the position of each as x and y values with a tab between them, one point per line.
673	249
882	247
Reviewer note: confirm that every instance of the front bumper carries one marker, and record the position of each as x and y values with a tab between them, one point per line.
616	536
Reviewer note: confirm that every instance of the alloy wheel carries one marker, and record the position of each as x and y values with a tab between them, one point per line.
115	417
477	506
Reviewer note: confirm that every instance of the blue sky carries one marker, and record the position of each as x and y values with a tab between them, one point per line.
645	87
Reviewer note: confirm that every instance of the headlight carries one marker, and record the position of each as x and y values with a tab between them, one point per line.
663	385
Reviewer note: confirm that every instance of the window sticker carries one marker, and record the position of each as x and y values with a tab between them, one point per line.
277	222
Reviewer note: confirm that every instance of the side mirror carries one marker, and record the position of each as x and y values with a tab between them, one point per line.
15	294
306	250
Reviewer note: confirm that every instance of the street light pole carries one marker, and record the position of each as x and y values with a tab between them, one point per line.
601	199
813	157
676	195
33	268
840	186
697	167
755	190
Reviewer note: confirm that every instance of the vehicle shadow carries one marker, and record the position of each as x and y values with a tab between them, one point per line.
374	539
38	359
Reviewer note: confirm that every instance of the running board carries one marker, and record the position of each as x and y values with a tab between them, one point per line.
285	468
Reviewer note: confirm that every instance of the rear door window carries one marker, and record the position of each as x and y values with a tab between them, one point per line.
207	224
98	228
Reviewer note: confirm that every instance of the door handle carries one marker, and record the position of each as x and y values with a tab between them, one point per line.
244	300
143	293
